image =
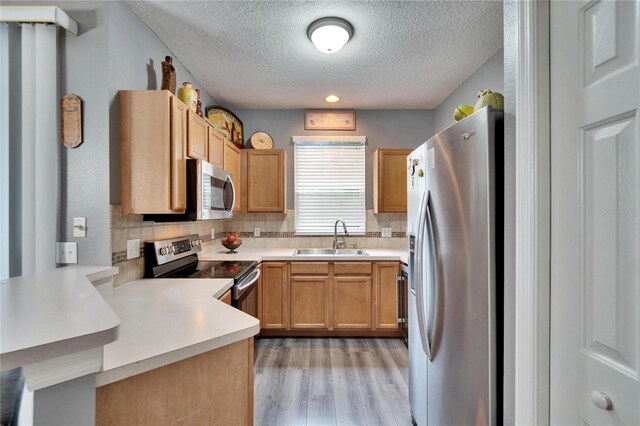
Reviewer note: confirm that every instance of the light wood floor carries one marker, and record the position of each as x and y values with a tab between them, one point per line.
331	381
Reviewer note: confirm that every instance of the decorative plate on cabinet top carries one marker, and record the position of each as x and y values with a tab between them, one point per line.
261	140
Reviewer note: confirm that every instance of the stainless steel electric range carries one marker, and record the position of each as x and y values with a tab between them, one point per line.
178	258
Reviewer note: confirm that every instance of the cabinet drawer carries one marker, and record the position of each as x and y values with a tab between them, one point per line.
318	268
351	268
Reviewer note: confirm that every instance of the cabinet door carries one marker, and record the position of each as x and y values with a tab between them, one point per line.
352	302
390	180
178	157
145	126
275	311
309	302
232	166
385	295
197	136
215	147
265	181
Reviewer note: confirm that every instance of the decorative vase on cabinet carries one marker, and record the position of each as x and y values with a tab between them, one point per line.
168	75
188	95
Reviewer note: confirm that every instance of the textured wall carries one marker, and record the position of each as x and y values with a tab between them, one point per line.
383	129
489	76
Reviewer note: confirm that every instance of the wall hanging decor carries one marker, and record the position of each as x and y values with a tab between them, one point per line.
329	120
71	120
227	123
261	140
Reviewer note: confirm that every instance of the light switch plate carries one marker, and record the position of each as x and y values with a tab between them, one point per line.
256	232
213	233
133	249
386	233
66	252
80	227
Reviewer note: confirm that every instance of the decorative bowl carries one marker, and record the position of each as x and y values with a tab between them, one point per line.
232	246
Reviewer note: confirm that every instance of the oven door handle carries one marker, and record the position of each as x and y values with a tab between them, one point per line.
250	282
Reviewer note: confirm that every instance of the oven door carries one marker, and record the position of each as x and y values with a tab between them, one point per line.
245	293
217	194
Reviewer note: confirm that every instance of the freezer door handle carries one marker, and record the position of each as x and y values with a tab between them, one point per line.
432	278
419	276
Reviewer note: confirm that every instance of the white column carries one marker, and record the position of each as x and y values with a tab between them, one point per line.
39	146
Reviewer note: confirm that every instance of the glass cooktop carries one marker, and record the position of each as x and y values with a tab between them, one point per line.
229	269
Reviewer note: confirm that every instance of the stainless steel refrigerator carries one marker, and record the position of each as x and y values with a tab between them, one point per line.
454	185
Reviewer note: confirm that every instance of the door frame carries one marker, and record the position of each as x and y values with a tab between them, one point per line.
533	212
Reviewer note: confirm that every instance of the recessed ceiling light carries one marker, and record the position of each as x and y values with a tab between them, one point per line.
330	34
332	98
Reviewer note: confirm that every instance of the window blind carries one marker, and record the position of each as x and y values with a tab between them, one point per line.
329	185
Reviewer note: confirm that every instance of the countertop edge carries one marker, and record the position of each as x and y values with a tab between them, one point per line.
58	348
125	371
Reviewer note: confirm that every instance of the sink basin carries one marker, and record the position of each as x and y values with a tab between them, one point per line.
329	252
351	252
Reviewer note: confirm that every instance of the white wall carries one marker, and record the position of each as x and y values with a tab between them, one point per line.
489	76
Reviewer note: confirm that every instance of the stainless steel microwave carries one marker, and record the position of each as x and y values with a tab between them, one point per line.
210	191
210	194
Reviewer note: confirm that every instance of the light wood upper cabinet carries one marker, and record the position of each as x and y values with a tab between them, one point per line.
197	134
352	302
390	180
275	309
215	150
152	122
264	181
385	295
309	301
231	160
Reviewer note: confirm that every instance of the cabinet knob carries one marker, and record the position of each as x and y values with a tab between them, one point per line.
601	400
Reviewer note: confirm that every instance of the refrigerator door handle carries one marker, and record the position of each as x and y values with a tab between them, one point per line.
432	278
419	278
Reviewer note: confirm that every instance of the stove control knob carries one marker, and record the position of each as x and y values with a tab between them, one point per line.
198	243
163	251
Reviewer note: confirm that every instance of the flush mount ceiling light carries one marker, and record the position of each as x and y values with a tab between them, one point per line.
332	98
330	34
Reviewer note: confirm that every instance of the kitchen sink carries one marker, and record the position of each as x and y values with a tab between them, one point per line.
329	252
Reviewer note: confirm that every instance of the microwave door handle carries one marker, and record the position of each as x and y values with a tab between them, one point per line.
233	195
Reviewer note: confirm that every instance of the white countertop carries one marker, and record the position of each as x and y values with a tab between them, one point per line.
54	313
168	320
259	255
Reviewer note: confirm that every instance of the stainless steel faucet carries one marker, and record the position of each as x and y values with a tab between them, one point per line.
339	243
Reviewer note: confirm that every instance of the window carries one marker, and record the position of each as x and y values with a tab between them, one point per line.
329	184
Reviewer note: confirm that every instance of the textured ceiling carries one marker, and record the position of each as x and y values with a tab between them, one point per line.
255	54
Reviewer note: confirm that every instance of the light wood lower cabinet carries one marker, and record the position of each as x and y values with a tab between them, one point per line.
385	292
352	302
215	387
275	284
308	302
355	298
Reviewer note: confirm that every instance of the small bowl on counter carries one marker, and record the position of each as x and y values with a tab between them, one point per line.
232	246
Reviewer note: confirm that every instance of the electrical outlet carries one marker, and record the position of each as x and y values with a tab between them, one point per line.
66	252
256	232
213	233
386	233
80	227
133	249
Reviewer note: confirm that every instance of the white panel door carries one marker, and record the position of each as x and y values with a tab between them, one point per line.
595	220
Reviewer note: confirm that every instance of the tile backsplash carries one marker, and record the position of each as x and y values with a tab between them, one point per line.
276	231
